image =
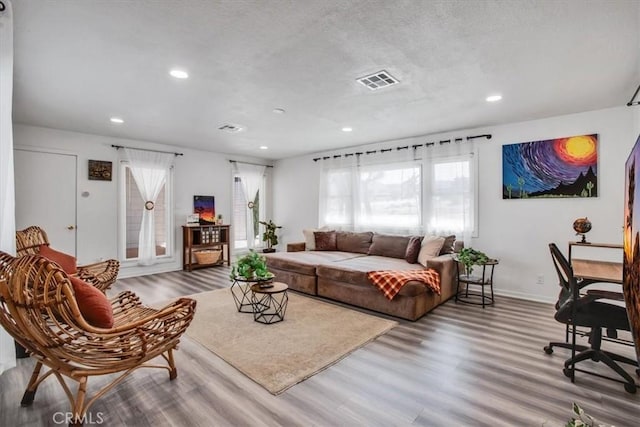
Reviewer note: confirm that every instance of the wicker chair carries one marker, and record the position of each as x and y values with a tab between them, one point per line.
38	308
101	274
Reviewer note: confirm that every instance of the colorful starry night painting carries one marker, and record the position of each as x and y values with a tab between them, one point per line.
561	167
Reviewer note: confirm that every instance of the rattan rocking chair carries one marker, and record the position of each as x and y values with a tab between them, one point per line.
101	274
38	308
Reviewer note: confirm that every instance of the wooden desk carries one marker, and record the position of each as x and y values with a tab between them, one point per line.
593	271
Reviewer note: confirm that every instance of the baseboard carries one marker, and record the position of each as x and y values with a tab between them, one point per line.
524	296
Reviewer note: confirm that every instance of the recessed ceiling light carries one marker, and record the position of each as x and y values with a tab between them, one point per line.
279	110
116	120
494	98
179	74
347	129
264	147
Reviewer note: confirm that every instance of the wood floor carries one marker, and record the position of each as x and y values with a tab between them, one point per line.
459	365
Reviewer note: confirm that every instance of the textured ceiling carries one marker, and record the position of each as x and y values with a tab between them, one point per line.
77	63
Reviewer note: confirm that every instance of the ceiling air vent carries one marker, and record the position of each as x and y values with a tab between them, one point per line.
378	80
230	128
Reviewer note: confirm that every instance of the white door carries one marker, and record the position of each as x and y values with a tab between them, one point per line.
46	195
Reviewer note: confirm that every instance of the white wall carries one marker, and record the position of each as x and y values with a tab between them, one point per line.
515	231
197	172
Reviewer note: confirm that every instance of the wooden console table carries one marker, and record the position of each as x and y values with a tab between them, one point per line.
205	237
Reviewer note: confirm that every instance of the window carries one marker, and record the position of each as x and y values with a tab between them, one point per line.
451	196
242	230
390	197
133	207
434	195
338	200
385	197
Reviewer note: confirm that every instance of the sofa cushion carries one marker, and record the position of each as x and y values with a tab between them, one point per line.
65	261
389	246
326	240
413	249
348	241
354	271
448	245
431	246
304	262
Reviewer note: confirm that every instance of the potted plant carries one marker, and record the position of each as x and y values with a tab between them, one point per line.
581	419
269	235
470	257
252	266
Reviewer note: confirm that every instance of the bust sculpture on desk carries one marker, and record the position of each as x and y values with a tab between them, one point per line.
582	226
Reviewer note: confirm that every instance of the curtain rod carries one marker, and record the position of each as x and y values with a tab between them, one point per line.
414	146
249	163
630	103
117	147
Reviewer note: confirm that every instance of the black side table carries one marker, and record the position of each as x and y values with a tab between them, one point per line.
486	279
269	303
241	291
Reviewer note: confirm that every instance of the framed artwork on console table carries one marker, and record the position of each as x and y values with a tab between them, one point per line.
205	207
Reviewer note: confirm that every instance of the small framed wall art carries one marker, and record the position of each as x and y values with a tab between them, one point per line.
205	206
100	170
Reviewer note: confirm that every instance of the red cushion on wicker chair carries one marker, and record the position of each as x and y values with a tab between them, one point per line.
93	304
67	262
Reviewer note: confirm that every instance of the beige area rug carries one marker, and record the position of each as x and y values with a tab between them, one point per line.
313	336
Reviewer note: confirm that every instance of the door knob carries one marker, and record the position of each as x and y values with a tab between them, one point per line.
70	227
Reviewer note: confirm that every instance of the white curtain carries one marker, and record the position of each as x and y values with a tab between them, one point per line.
338	192
427	190
379	191
450	190
7	191
251	177
149	170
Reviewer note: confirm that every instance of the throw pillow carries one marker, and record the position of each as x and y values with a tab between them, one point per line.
389	245
66	262
413	249
326	240
447	247
348	241
309	238
430	248
93	304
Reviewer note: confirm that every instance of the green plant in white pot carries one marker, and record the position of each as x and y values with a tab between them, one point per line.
252	266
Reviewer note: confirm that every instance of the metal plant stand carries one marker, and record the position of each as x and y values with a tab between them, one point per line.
465	280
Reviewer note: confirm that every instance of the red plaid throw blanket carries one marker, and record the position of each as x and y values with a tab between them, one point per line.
390	282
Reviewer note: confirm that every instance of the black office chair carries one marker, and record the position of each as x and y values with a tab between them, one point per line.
584	311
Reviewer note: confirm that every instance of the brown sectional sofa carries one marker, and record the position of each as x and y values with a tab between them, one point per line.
341	275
